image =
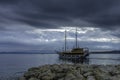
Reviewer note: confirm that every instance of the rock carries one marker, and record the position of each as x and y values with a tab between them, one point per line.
78	75
48	72
91	78
69	77
103	76
30	74
88	74
47	77
34	79
59	75
114	78
56	69
73	72
78	79
114	72
22	78
60	79
85	70
33	69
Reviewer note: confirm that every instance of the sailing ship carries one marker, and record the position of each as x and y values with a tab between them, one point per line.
75	53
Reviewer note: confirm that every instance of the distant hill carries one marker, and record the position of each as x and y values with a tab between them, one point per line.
113	51
30	52
53	52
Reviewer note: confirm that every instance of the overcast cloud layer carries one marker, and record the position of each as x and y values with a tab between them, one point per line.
24	24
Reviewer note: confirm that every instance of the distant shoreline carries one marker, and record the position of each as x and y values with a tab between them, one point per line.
106	52
102	52
24	53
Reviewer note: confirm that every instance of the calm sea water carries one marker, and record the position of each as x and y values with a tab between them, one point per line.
14	65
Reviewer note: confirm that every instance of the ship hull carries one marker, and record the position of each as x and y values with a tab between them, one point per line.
76	56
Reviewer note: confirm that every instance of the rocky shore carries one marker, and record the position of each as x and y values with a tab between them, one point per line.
73	72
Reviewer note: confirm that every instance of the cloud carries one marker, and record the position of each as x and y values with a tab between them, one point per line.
53	39
39	24
56	13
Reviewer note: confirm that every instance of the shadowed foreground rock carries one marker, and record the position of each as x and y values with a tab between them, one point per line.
73	72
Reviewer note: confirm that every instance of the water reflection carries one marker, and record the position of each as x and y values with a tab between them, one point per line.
80	61
104	59
98	59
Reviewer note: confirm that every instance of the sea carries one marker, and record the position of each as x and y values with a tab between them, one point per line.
13	66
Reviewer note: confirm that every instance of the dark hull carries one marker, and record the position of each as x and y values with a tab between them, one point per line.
72	55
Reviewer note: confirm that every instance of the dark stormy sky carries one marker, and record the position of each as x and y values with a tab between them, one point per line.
39	24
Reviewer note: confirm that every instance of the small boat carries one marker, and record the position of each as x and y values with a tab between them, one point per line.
75	53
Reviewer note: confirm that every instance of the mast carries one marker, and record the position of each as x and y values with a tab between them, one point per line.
76	38
65	39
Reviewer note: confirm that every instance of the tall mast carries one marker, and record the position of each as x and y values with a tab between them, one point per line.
76	38
65	39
